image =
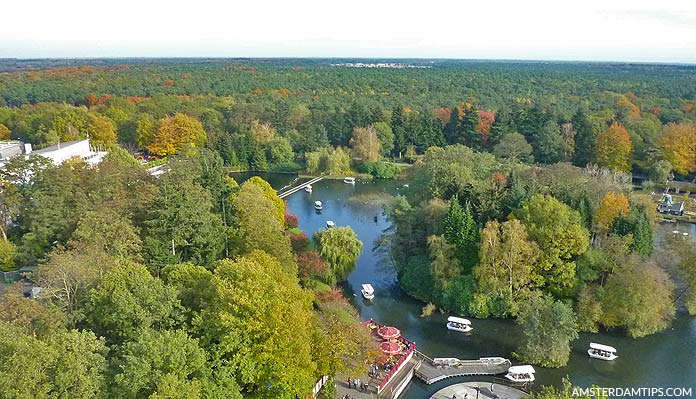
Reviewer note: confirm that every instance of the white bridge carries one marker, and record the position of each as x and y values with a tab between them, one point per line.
284	192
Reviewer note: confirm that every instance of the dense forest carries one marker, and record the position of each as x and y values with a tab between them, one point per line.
520	204
268	114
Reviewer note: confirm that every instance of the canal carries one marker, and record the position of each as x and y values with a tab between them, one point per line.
667	359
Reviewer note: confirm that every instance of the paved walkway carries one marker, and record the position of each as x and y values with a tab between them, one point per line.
467	390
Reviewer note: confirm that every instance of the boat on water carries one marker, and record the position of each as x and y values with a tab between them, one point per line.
318	205
520	374
349	180
459	324
368	292
602	352
308	188
330	224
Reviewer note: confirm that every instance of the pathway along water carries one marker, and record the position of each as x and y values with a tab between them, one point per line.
667	359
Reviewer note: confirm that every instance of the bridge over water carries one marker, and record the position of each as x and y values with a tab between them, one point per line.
284	192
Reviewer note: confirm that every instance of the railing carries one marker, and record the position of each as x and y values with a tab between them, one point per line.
404	358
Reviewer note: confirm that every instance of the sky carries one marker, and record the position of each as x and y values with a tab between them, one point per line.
597	30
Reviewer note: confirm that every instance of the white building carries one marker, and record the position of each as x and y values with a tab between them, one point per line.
61	152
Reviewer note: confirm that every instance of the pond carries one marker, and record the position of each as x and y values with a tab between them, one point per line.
667	359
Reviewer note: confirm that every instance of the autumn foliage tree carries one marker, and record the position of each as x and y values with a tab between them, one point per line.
679	146
4	132
175	132
612	206
365	144
614	148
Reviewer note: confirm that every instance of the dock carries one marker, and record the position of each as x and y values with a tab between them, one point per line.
434	370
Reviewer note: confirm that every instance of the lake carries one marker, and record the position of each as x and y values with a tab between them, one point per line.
667	359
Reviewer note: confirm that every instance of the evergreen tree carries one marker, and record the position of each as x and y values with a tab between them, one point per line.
585	139
398	128
468	129
460	229
638	225
451	128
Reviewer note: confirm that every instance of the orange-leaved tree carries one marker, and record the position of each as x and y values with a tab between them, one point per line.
679	146
612	206
175	132
614	148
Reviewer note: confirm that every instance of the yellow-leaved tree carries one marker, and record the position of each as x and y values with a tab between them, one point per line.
613	205
614	148
679	146
4	132
175	132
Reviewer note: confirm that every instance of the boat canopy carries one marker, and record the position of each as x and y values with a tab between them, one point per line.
601	347
458	320
317	203
367	288
526	369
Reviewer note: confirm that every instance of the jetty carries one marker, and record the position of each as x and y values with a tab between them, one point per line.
284	192
389	379
437	369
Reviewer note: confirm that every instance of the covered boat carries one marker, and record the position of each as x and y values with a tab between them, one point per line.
330	224
308	188
458	324
349	180
520	374
367	291
318	205
603	352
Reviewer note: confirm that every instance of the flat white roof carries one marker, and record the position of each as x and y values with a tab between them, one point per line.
521	369
458	320
368	288
601	347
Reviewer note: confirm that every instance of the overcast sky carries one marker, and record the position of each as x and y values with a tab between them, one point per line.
607	30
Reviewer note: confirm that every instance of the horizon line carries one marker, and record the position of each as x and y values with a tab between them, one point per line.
530	60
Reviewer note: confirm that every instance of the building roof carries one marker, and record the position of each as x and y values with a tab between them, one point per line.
58	146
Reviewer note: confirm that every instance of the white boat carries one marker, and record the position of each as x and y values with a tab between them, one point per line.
459	324
603	352
330	224
520	374
349	180
308	188
368	292
318	205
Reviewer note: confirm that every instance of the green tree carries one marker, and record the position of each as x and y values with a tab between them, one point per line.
385	135
514	147
157	361
585	138
111	232
340	247
259	326
638	297
68	364
181	225
8	251
548	326
270	194
128	301
638	225
561	236
460	229
505	272
257	229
